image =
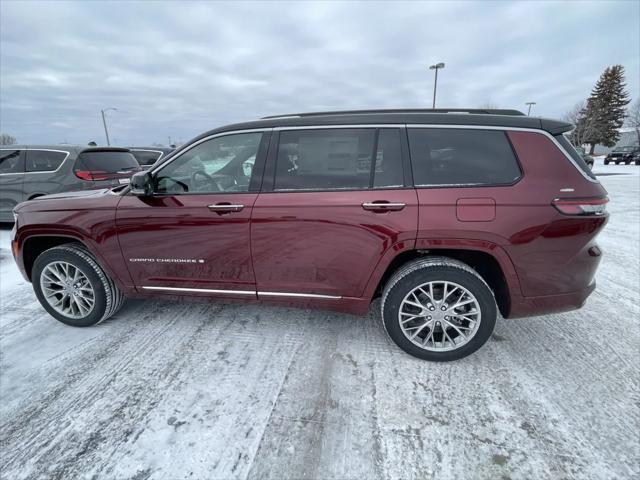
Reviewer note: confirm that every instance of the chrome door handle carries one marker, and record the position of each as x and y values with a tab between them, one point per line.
383	206
225	207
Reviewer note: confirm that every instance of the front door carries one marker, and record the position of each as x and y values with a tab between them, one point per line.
337	204
192	235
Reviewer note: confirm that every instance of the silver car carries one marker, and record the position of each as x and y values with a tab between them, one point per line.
29	171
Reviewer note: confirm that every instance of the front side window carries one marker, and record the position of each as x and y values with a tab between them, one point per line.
338	159
221	164
11	161
448	156
44	160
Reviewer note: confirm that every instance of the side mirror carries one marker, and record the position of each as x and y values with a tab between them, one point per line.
142	184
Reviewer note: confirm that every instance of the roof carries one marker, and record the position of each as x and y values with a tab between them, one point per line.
498	118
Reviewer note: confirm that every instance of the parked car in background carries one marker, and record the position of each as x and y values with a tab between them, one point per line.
147	156
30	171
625	155
449	218
588	159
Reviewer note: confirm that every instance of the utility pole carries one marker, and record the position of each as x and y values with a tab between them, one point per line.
530	104
435	67
104	123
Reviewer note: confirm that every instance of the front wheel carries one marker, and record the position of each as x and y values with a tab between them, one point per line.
73	288
438	309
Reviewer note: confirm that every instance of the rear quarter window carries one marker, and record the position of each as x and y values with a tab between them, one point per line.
44	160
107	161
146	157
447	156
575	156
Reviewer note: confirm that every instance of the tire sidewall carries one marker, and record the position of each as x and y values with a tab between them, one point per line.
472	283
69	256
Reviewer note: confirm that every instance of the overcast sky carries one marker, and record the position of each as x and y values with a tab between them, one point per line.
178	69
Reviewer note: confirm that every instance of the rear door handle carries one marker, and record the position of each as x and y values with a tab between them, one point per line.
381	206
225	207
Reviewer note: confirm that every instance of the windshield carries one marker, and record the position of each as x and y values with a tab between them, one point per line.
624	149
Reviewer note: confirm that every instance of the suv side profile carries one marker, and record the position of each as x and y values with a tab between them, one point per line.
28	172
450	218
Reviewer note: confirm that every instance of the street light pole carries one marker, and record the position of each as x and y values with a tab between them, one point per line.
104	123
435	67
530	104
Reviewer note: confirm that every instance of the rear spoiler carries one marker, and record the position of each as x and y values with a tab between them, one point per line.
105	149
555	127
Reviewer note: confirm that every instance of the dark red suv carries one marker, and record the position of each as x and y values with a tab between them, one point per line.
448	216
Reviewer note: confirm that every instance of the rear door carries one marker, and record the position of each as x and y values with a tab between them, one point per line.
192	235
334	201
45	172
11	181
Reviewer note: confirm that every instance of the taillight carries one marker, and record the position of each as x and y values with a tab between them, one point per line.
581	206
92	175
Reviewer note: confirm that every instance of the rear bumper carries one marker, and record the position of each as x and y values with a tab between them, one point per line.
565	302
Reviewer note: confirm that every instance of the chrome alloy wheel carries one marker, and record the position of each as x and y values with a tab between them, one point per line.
67	289
439	316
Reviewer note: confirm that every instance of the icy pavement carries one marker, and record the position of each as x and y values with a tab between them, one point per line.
204	391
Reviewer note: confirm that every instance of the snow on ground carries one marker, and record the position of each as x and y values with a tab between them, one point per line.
181	390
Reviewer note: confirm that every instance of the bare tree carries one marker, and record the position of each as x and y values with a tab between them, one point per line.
6	139
633	117
585	126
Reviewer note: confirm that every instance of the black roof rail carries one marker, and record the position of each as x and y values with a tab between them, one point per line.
483	111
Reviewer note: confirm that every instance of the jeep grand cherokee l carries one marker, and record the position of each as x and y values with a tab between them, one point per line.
624	155
27	172
449	218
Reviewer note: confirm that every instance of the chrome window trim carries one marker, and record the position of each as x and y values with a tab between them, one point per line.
202	140
242	292
329	127
26	150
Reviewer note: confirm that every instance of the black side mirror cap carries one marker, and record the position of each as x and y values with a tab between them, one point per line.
142	184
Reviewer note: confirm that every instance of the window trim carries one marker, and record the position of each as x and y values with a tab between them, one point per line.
26	159
260	157
268	185
473	185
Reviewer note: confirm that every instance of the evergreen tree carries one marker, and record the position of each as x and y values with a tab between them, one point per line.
605	109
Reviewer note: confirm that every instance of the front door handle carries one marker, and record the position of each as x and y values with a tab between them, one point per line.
381	206
225	207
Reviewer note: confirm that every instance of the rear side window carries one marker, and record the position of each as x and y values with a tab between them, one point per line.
44	160
146	157
106	161
577	158
11	161
442	157
338	159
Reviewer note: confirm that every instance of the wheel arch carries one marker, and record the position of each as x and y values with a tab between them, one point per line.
496	270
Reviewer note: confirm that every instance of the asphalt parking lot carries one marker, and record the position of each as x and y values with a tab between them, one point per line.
203	391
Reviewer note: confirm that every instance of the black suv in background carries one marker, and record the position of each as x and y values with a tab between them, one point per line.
147	156
27	172
626	155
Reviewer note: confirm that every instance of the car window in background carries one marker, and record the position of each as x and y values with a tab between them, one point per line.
324	159
44	160
221	164
11	161
443	157
107	161
146	157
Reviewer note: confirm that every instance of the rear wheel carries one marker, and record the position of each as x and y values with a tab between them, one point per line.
438	309
73	288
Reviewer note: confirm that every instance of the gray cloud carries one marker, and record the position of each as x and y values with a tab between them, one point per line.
178	69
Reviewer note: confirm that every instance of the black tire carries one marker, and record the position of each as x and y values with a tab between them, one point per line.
617	163
429	269
628	162
108	299
606	162
637	162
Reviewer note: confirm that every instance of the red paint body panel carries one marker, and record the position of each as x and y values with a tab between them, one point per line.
155	229
325	242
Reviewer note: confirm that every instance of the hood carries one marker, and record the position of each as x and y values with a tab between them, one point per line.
78	200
